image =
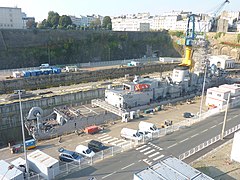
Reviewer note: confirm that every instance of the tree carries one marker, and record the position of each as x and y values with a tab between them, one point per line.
107	23
96	24
30	24
53	19
44	24
65	21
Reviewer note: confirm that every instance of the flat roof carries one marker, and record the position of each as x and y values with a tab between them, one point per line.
230	86
171	168
216	89
43	158
5	173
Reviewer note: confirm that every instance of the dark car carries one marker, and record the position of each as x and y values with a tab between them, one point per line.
69	156
96	146
187	115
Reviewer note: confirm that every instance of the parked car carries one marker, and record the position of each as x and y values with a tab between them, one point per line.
84	150
187	115
145	134
96	146
69	156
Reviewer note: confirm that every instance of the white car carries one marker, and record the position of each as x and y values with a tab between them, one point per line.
85	151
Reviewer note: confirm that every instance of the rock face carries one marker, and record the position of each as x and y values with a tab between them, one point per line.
30	48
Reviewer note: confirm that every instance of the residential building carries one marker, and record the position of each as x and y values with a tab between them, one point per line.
11	18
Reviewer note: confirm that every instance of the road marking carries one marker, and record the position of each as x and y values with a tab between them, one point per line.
115	142
205	130
220	122
145	149
141	147
146	153
127	166
235	116
88	140
120	144
213	126
103	139
109	175
156	153
140	160
103	136
147	161
109	141
172	145
194	135
159	157
184	140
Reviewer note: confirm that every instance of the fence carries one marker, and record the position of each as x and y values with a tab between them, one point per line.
208	143
67	168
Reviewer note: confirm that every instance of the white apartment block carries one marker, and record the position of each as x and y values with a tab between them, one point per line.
230	16
11	18
175	20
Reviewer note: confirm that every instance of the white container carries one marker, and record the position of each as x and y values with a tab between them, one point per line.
42	163
130	134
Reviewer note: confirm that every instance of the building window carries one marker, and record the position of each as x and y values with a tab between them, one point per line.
10	20
219	95
210	93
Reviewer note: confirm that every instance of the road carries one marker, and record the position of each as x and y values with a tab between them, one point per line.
124	165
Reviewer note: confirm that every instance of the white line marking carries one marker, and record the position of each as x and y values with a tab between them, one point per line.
194	135
146	153
159	157
145	149
110	140
172	145
156	153
127	166
184	140
103	136
213	126
220	122
115	142
235	116
141	147
205	130
104	139
140	160
88	140
120	144
109	175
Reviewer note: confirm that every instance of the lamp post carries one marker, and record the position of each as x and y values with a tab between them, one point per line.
203	88
23	134
225	116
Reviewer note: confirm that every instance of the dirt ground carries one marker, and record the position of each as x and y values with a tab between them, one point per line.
218	164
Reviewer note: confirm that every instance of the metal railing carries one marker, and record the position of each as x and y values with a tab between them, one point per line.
207	143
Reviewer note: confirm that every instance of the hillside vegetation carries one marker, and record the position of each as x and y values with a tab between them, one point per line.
27	48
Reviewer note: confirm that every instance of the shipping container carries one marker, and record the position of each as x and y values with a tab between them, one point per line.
91	129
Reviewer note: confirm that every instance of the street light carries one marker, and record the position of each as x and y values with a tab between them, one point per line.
23	134
203	88
225	116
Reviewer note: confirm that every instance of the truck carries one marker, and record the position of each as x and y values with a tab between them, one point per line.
130	134
134	63
147	127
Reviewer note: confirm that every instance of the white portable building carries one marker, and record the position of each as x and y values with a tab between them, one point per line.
42	163
222	61
8	172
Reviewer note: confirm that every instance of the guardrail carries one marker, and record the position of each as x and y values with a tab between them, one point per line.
207	143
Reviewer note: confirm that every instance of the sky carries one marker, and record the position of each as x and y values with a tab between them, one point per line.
40	8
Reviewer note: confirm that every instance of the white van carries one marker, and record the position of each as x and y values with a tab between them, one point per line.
132	134
148	127
85	151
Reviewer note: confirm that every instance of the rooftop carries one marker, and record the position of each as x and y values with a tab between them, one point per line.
171	168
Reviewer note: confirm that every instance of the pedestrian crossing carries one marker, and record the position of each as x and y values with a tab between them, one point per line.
107	139
151	151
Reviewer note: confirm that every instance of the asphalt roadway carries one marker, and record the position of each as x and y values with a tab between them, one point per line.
124	165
